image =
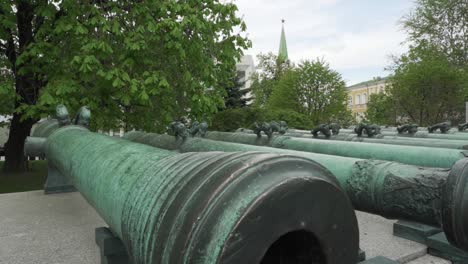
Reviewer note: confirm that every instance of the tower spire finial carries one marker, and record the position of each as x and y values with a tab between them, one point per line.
283	49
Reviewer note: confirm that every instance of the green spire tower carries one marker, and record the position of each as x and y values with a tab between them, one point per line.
283	49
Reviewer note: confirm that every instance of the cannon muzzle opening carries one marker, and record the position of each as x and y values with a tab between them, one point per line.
299	246
455	205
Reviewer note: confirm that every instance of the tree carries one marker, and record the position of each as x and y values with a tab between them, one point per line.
236	96
286	94
427	87
312	89
320	90
382	110
138	63
266	78
7	94
442	23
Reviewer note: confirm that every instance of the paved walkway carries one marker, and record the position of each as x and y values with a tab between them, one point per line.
59	228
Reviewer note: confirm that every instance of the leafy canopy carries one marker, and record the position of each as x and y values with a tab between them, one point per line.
140	63
429	82
382	110
427	87
442	23
270	72
314	89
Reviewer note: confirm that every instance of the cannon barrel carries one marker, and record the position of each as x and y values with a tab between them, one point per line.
391	140
433	196
34	146
44	128
211	207
421	156
453	130
419	134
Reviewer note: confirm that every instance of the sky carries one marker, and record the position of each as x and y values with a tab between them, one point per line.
357	37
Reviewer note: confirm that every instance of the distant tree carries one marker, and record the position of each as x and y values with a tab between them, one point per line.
321	90
236	97
313	89
441	23
270	71
427	87
140	63
382	110
286	93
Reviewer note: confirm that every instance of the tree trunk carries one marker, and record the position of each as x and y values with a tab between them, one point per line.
26	87
14	157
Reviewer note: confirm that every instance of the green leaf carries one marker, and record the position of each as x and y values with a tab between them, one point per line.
144	96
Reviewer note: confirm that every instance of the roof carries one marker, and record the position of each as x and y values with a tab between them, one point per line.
283	48
369	82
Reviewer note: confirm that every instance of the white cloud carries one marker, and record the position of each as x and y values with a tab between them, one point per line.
354	50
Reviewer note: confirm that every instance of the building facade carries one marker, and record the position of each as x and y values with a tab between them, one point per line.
245	68
358	95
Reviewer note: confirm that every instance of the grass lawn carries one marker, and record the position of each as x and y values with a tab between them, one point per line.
33	179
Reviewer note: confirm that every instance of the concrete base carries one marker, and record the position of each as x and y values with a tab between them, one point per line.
377	239
54	229
60	229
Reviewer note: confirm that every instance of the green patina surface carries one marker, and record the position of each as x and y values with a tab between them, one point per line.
419	134
198	144
394	140
101	168
44	128
386	188
128	184
420	156
168	207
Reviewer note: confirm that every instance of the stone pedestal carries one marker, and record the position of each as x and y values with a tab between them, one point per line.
56	182
414	231
111	248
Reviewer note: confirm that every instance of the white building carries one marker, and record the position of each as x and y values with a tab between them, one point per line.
4	118
245	68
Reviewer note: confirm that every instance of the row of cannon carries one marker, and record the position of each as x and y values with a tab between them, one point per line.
287	197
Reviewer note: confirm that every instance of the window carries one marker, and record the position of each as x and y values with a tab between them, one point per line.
358	99
350	100
364	99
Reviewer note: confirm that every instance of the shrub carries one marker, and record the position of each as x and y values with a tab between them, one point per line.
232	119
